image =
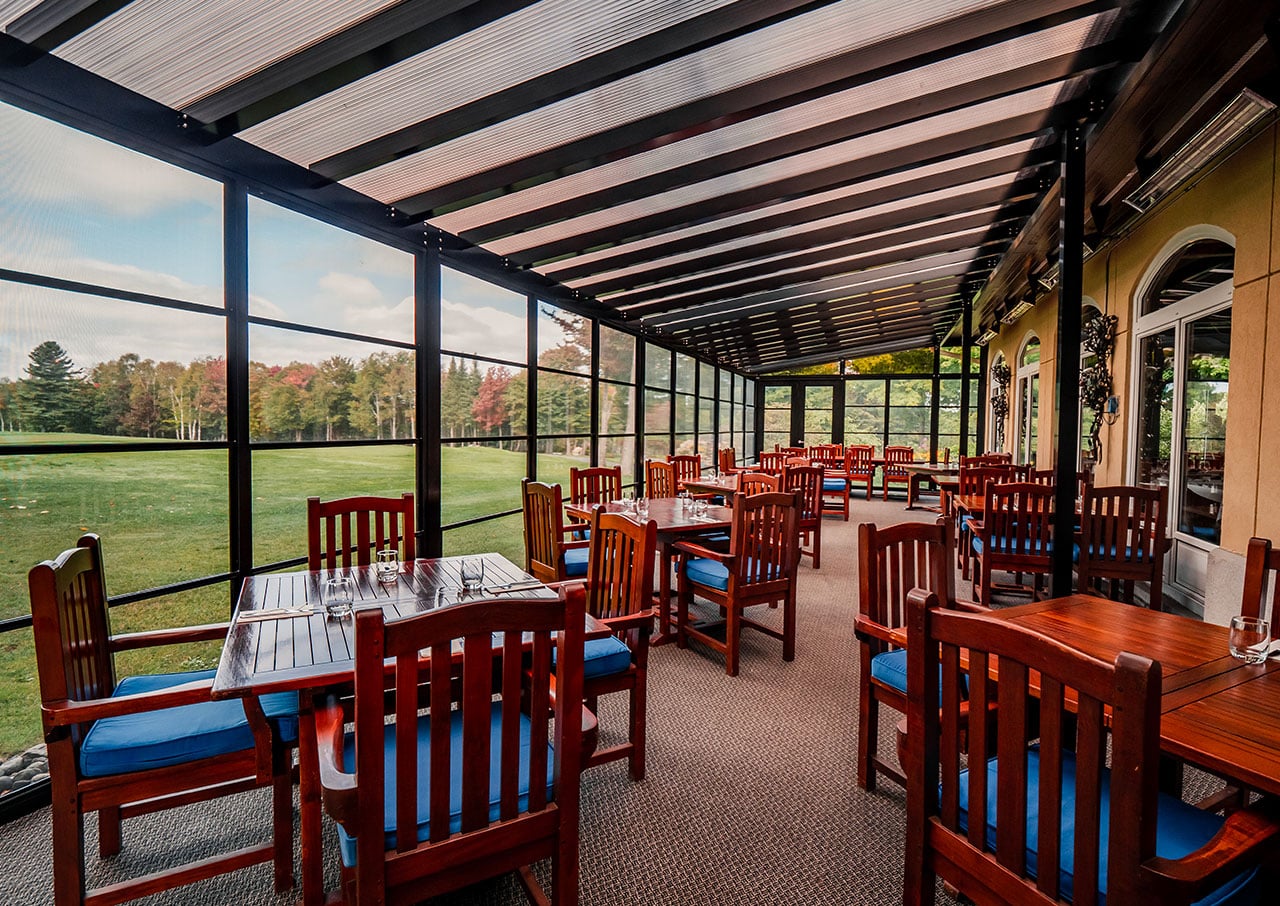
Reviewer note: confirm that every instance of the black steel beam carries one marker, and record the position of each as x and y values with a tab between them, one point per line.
953	98
973	31
914	224
383	39
582	75
235	275
52	23
569	270
966	353
940	148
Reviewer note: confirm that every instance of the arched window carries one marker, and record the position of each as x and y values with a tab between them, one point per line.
1182	348
1028	398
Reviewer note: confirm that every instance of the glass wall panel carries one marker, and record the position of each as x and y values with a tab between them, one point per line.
818	402
706	380
685	411
777	416
306	271
949	416
617	408
284	479
910	404
564	404
185	608
564	340
619	451
504	535
481	399
556	456
617	356
657	446
686	373
726	385
305	387
864	413
657	366
77	207
657	414
1204	425
479	479
479	318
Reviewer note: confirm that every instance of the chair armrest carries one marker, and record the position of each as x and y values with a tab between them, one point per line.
868	630
970	606
67	712
338	787
1247	837
571	545
209	632
697	550
631	621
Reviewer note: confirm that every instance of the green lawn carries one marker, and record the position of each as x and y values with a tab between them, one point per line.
163	517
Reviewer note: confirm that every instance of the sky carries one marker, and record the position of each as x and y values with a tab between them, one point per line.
77	207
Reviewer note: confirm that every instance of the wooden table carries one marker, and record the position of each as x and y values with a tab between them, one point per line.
307	652
920	472
1219	713
725	485
674	522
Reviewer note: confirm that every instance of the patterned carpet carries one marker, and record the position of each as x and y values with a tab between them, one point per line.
750	795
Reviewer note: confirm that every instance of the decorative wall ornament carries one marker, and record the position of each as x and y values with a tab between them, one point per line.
1001	375
1098	338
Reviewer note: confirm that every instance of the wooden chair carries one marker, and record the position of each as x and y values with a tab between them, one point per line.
758	483
790	451
1015	534
859	465
548	556
145	743
1123	537
1045	824
727	460
987	459
599	484
807	482
659	479
972	481
379	522
891	561
440	800
1261	568
688	468
894	457
773	463
760	568
1046	477
829	456
620	595
835	486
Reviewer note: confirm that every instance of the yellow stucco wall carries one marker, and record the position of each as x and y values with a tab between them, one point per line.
1239	196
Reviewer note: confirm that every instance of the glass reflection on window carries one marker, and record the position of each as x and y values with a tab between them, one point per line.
1155	419
1204	424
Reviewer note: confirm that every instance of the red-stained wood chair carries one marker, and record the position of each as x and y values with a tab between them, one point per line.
986	459
1123	538
659	479
790	451
972	481
859	465
829	456
891	561
807	483
835	486
548	556
894	457
347	532
758	483
1015	534
688	467
599	484
759	569
1261	575
620	595
773	463
1046	824
439	800
727	460
143	744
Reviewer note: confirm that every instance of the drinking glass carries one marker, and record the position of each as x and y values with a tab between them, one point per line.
472	570
685	500
1249	639
339	594
387	566
642	507
699	508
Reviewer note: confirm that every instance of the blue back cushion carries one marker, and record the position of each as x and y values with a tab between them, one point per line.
575	561
1182	829
347	843
155	739
1002	545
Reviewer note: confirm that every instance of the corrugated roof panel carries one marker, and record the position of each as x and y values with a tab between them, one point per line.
13	9
897	89
175	51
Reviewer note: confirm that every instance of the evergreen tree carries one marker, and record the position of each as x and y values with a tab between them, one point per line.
51	395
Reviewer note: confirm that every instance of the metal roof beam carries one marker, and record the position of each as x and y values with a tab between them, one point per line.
52	23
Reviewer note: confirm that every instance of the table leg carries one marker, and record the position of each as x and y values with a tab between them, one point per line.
665	634
912	490
309	803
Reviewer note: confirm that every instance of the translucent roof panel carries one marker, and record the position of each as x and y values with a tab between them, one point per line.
175	51
13	9
888	92
897	138
776	50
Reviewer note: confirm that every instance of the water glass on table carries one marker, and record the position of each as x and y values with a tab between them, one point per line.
642	508
472	572
339	595
387	565
1249	640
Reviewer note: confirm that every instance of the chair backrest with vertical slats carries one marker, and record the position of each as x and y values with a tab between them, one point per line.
659	479
346	532
858	459
829	456
543	529
498	655
688	467
765	539
727	459
973	480
620	565
1075	701
894	559
1261	569
806	482
758	482
1123	524
600	484
773	463
893	459
1018	518
987	459
72	627
1047	477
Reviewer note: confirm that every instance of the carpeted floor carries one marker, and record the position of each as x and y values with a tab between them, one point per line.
750	795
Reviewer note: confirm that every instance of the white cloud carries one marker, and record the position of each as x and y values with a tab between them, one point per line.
482	330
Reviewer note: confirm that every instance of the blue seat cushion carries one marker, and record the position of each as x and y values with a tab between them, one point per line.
965	521
605	657
582	535
1012	546
714	574
890	668
347	843
575	561
1129	554
1181	829
834	484
156	739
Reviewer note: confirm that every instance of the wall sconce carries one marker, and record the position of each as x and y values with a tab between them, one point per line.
1112	412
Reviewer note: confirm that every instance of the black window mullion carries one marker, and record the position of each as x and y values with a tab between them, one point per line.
595	393
933	409
837	413
430	458
235	257
531	386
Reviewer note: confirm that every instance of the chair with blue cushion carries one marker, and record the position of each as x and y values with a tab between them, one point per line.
972	480
620	595
894	473
1015	534
806	481
482	783
758	569
599	484
548	556
891	561
1045	824
1123	537
835	482
347	532
144	743
860	466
